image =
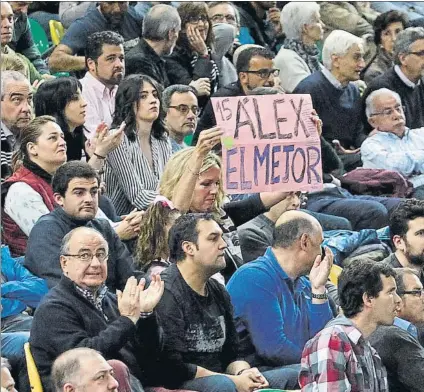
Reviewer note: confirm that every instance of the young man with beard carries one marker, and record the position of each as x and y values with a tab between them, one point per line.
116	16
105	59
407	232
200	339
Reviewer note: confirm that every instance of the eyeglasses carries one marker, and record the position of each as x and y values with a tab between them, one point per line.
419	54
264	72
88	256
195	19
221	18
184	109
389	112
415	293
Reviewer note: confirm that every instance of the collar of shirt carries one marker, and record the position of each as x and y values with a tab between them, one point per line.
6	131
331	78
90	297
406	326
392	135
99	87
404	79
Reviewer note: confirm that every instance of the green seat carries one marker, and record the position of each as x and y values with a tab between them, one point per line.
39	36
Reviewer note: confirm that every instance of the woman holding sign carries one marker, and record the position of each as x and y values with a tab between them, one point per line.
192	180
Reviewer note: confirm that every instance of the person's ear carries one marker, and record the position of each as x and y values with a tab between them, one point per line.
304	241
63	263
402	58
372	121
59	199
243	77
32	149
188	248
91	64
68	387
335	61
399	243
368	300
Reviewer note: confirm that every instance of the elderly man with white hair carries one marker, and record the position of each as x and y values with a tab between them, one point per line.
299	55
337	100
393	146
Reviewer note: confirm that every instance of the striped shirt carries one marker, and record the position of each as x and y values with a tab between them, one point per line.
130	180
6	152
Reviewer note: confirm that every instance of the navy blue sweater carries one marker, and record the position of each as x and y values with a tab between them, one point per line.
339	109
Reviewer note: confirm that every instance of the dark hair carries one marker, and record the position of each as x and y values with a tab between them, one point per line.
187	10
153	240
286	234
29	134
184	229
52	97
70	170
169	92
385	19
243	60
359	278
127	95
95	42
405	211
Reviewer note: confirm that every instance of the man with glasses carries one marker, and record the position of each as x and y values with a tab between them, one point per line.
398	345
255	68
76	191
393	146
406	76
81	311
181	108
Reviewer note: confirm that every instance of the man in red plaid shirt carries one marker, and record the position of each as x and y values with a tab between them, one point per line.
339	358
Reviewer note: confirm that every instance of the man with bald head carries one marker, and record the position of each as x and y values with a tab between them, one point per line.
276	308
85	369
80	311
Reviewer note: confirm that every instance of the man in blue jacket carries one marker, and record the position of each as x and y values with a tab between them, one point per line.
20	290
276	308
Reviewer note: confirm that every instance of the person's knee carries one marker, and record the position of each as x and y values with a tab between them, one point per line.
220	383
372	215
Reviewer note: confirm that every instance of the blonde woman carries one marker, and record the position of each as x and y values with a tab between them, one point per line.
192	181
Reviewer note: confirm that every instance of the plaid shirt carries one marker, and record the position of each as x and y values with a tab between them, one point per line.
338	359
95	300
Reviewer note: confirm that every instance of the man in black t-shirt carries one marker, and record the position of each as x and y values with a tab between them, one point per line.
200	338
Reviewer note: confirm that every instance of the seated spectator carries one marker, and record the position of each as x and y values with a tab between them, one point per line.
337	100
255	69
161	27
21	292
133	170
75	188
393	146
340	356
299	55
16	113
104	55
81	311
200	339
386	28
116	16
62	99
181	108
343	15
28	193
152	254
192	181
406	227
7	381
23	41
7	28
256	234
260	24
83	368
193	61
397	344
405	77
273	326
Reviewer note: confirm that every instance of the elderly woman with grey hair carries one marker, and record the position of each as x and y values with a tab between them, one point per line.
299	55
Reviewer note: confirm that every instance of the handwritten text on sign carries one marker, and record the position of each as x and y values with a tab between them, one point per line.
270	143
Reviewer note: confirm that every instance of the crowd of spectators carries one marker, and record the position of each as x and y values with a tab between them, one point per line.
124	264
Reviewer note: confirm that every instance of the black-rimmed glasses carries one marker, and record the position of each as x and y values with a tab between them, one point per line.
184	109
265	73
415	293
88	256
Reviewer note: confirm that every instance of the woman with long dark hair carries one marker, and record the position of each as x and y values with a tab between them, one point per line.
133	170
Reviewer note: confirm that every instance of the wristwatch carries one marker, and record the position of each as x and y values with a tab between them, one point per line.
320	296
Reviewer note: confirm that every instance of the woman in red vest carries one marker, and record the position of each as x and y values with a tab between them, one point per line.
27	194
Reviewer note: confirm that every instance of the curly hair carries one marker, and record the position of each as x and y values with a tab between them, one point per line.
152	243
187	10
127	95
359	278
405	212
384	20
